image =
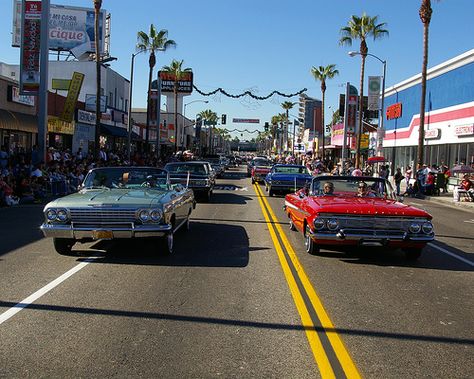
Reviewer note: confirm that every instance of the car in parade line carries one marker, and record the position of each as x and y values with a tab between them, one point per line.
258	160
260	171
337	211
216	165
196	175
119	203
286	178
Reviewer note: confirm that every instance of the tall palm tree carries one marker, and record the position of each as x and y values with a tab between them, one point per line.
361	28
210	118
177	71
425	16
287	105
97	6
153	41
322	73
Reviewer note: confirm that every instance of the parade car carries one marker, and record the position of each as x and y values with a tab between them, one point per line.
119	202
258	160
284	178
334	211
197	175
260	170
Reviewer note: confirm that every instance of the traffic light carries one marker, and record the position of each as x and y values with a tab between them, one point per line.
223	119
266	126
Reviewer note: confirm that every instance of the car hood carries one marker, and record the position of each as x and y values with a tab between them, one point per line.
113	197
366	206
279	176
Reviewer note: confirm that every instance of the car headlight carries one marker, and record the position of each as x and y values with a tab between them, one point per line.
61	215
414	227
51	214
427	228
319	223
143	215
155	215
332	224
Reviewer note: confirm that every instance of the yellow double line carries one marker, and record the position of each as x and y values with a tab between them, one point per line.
320	354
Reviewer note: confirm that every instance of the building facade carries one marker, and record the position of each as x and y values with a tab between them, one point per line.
449	115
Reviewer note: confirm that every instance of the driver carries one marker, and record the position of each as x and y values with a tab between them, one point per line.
328	188
363	190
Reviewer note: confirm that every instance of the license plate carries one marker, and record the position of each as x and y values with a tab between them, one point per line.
102	234
369	242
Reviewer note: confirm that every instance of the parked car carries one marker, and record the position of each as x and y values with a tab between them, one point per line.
197	175
119	202
357	211
260	170
216	165
284	178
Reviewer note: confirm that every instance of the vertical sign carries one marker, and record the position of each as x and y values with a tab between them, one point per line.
351	114
374	93
30	48
72	96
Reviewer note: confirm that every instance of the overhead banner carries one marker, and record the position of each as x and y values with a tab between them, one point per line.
374	93
72	96
246	120
30	47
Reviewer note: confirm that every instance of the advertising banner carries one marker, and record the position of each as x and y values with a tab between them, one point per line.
246	120
374	92
55	125
72	96
70	28
185	84
352	114
30	48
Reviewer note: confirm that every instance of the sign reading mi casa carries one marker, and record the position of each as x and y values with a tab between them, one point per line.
167	79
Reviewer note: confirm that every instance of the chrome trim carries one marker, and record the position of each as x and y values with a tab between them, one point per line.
355	235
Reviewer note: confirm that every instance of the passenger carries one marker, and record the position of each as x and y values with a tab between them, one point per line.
328	189
363	190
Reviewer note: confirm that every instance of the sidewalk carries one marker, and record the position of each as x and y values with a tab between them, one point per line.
447	200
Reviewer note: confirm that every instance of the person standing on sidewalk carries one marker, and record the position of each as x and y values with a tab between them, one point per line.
408	172
398	177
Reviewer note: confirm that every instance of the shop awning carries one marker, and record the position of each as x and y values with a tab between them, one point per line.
18	121
116	131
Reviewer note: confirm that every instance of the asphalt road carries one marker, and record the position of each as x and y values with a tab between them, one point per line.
239	298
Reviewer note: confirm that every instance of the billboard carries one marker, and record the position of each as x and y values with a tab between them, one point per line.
70	29
30	48
185	85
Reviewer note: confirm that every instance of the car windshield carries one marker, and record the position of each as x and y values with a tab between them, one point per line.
184	168
261	162
352	187
126	178
290	169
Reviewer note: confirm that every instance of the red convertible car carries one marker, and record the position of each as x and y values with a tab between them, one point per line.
359	211
259	171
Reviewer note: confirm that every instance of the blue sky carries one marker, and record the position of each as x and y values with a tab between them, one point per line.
263	45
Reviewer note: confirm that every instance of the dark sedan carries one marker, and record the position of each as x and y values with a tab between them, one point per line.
195	175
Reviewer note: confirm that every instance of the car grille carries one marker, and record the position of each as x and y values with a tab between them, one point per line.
372	222
102	216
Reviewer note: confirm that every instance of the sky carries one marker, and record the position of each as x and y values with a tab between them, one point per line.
267	45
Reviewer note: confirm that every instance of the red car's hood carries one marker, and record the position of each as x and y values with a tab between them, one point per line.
366	205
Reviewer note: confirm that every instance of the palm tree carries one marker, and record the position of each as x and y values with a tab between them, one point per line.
152	42
210	118
287	105
361	28
322	73
97	5
425	16
177	71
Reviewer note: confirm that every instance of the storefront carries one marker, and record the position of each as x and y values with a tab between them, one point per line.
449	116
17	131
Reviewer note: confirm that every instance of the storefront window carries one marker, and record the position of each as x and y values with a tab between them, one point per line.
462	153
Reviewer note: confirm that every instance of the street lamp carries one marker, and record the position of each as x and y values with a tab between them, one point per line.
380	130
184	116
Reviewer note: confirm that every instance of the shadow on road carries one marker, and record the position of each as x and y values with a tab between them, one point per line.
205	245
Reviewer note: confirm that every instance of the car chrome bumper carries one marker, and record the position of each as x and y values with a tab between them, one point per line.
376	235
95	233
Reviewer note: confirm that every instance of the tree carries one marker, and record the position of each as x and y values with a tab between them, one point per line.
361	28
287	105
276	120
97	6
425	13
177	71
152	42
322	73
210	118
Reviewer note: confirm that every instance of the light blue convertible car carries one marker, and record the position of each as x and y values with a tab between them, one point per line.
119	202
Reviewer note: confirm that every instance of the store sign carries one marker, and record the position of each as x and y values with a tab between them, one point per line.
30	48
464	130
72	96
55	125
432	134
13	95
90	103
351	114
85	117
61	84
185	83
394	111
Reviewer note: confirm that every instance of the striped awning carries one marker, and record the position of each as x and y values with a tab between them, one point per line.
10	120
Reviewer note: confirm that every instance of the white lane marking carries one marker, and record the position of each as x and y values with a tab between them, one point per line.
443	250
470	221
32	298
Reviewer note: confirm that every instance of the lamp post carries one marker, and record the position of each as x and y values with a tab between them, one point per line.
184	122
129	142
380	131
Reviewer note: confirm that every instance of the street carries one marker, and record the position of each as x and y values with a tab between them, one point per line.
239	298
